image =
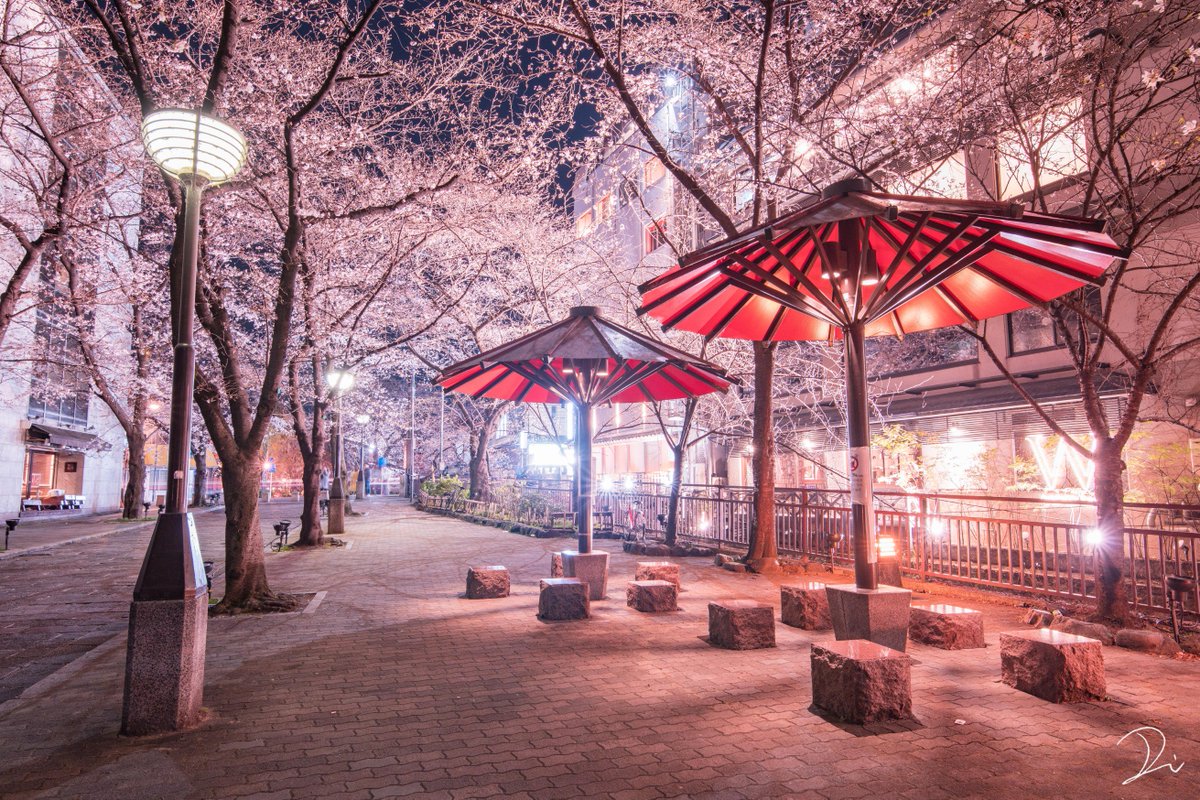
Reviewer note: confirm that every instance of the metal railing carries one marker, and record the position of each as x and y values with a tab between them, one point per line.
1033	545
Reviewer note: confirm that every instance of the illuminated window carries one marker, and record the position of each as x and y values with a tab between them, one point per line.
655	235
947	178
584	225
653	171
1055	139
606	209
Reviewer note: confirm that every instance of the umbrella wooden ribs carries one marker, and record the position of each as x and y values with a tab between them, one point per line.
585	360
859	263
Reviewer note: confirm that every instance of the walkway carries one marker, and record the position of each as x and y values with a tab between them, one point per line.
396	686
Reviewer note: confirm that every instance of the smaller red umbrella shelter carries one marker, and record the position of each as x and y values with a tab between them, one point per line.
585	360
858	263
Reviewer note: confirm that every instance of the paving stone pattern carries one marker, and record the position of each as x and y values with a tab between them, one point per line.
399	686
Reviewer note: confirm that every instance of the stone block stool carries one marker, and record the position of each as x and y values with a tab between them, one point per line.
657	571
651	596
946	626
741	624
1055	666
859	681
805	606
487	582
563	598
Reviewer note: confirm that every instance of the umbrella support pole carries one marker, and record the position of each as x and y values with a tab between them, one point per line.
858	440
583	471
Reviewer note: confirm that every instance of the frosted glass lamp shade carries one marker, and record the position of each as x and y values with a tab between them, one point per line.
185	142
340	380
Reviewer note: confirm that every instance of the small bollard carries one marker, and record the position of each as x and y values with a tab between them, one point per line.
10	525
208	571
281	532
146	509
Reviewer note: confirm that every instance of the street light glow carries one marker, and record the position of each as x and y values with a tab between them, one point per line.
184	142
340	380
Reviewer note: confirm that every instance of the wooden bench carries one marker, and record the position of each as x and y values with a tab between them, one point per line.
741	625
859	681
946	626
1055	666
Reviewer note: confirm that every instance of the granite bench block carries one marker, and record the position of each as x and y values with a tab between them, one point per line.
563	598
805	606
657	571
860	682
651	596
1055	666
946	626
741	624
487	582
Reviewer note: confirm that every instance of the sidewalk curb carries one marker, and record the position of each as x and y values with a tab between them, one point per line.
63	674
7	554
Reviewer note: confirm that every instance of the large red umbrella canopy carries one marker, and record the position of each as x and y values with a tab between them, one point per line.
896	264
588	360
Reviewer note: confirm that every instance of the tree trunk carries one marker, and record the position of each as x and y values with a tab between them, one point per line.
246	586
311	534
1111	601
763	555
135	487
672	526
200	460
478	470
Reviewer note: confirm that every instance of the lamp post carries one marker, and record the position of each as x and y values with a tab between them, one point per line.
340	382
361	488
168	618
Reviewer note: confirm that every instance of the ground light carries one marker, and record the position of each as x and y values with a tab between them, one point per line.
168	618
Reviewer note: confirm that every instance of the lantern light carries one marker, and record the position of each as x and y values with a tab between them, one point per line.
887	547
190	143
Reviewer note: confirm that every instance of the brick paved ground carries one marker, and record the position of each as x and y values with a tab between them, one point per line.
396	686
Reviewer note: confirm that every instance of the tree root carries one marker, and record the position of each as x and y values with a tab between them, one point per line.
269	603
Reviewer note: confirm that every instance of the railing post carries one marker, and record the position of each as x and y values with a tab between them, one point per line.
805	545
924	531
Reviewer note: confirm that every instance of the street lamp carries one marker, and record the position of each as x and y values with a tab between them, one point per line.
340	381
168	618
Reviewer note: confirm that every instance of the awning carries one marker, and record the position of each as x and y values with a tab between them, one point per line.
60	438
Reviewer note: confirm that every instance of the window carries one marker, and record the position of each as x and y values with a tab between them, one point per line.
920	351
946	178
1057	141
655	235
606	209
60	388
653	171
743	191
1031	329
584	225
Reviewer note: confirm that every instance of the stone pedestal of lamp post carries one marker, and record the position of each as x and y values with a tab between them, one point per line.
591	568
877	615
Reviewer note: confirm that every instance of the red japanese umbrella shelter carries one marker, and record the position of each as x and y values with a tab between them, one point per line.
858	263
585	360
